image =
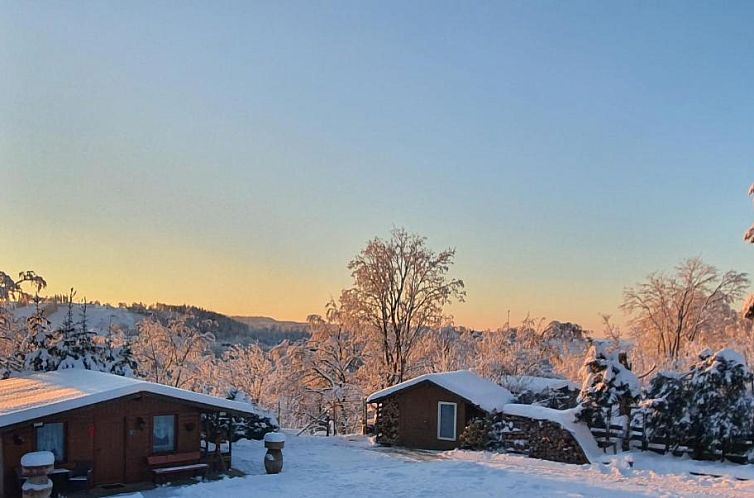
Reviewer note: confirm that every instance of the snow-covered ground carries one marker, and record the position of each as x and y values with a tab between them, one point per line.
351	467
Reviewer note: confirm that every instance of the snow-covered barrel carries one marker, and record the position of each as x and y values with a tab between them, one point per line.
273	460
35	467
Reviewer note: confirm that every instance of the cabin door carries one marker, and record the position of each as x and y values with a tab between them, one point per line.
109	448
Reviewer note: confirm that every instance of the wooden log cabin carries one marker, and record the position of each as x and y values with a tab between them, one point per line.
432	410
106	430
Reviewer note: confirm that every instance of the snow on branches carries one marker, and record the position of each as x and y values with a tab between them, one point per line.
608	384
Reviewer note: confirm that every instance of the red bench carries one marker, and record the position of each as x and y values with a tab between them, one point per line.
186	464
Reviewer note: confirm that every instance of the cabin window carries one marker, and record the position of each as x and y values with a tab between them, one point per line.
51	437
163	434
446	420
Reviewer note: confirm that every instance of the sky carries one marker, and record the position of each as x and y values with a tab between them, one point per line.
236	155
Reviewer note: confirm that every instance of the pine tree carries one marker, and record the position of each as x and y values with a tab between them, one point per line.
609	387
720	403
665	409
119	357
79	347
39	350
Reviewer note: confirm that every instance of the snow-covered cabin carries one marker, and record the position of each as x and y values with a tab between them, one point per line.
104	429
432	410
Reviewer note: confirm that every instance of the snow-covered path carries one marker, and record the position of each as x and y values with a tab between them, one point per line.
339	467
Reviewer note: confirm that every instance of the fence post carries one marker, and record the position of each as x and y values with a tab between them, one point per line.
364	417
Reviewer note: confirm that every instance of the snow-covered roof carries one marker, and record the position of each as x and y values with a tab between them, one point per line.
31	396
566	419
481	392
521	383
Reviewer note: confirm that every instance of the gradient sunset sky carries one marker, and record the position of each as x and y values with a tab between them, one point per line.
235	155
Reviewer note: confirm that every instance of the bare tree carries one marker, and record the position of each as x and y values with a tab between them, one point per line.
334	355
670	311
400	289
748	308
749	234
171	354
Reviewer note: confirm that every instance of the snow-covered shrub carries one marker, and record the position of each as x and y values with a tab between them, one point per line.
219	428
608	385
720	404
476	435
665	410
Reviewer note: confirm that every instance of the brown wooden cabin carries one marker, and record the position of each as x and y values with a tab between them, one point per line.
109	430
432	410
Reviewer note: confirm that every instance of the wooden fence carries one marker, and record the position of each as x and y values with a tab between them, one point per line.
615	439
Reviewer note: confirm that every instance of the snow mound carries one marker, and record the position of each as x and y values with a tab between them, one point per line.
274	437
567	420
481	392
731	357
38	459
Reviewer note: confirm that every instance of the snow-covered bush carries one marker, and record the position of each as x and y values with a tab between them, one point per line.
665	410
707	408
218	428
720	403
608	385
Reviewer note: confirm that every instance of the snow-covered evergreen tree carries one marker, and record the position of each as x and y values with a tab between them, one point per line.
119	357
720	403
39	349
80	347
609	386
665	409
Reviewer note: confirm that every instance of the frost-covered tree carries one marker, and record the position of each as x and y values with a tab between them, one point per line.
173	353
521	350
748	308
249	369
671	311
720	403
400	289
749	234
333	357
609	386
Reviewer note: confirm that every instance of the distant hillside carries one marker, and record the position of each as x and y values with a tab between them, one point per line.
270	332
228	331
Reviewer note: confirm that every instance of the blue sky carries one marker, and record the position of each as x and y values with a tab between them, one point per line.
236	155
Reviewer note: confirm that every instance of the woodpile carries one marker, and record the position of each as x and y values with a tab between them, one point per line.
537	438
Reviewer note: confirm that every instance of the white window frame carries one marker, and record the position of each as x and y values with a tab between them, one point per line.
455	420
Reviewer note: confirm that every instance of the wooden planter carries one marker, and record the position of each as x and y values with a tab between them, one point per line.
273	460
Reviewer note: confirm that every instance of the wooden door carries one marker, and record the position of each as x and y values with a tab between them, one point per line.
109	438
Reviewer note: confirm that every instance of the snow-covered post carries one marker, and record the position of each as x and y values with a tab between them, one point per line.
273	460
35	467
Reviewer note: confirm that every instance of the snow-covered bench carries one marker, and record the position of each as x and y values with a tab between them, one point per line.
186	464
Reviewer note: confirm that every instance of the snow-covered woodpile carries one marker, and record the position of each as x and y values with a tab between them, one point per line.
542	439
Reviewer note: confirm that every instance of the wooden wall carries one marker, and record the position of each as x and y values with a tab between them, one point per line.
110	436
418	416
